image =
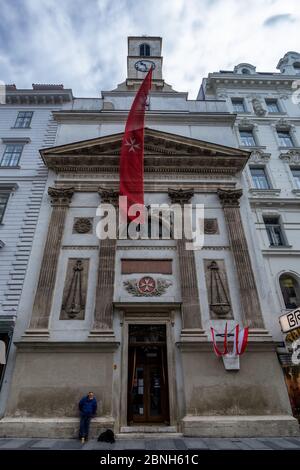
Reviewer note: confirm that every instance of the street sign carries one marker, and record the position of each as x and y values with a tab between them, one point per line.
292	335
290	321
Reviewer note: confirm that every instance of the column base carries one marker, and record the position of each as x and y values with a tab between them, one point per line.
51	428
193	334
36	334
103	334
259	334
240	426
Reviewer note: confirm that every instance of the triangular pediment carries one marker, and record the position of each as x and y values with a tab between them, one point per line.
160	149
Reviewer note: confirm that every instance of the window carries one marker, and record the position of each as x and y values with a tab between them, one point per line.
259	178
23	119
296	176
274	231
290	291
272	106
247	138
5	339
245	71
144	50
3	203
238	105
158	227
296	66
12	154
285	139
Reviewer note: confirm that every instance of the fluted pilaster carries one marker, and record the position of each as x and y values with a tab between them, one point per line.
60	200
191	314
103	317
248	291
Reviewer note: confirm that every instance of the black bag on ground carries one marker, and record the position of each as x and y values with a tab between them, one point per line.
107	436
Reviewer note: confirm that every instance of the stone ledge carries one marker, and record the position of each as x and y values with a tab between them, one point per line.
240	426
51	427
95	345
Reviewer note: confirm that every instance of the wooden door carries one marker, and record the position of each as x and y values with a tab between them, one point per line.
148	384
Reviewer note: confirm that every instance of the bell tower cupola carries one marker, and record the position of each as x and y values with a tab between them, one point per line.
144	52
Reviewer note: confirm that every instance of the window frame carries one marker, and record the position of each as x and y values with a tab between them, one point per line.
6	336
12	144
253	180
282	144
296	67
2	213
296	180
250	131
146	49
296	287
269	101
234	101
24	118
271	233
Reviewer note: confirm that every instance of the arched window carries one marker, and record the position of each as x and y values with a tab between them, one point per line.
290	291
144	50
296	66
157	227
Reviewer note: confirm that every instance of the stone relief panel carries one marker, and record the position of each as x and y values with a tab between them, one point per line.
211	227
259	157
217	289
258	107
83	225
75	290
292	157
147	286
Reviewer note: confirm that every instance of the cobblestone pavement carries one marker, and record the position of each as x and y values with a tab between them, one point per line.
180	443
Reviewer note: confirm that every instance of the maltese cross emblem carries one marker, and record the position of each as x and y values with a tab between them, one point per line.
132	144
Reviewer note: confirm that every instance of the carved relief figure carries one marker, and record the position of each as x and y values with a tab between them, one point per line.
74	297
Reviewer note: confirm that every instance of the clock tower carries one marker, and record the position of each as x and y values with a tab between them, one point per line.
144	52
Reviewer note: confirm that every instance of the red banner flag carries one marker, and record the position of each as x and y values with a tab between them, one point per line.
132	151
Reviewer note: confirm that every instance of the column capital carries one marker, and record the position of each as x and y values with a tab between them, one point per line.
230	197
109	196
61	196
180	196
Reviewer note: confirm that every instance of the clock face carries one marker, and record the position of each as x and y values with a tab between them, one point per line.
144	65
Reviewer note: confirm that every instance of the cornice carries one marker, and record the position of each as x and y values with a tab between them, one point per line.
258	80
38	97
151	116
164	153
46	346
273	202
149	187
157	94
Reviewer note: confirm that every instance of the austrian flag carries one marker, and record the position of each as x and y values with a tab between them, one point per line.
132	151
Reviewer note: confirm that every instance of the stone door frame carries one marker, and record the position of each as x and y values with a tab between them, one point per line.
149	315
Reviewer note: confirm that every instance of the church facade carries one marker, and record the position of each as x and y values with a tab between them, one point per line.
130	319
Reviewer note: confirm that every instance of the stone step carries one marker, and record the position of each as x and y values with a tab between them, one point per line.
149	435
148	429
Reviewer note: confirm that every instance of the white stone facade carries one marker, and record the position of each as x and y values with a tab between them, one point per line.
199	386
23	182
282	197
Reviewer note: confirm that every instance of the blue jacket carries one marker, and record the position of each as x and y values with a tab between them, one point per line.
88	407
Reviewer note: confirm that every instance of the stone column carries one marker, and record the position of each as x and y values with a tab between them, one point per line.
191	314
103	318
248	292
60	200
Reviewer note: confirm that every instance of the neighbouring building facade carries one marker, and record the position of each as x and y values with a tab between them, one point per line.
26	125
268	124
131	319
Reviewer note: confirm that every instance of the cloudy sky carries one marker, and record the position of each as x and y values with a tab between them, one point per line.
83	43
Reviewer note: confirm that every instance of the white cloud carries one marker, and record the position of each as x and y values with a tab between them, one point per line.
83	43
